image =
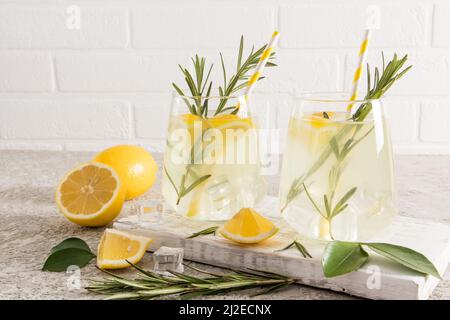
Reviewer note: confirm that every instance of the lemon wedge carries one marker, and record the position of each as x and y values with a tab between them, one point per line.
248	226
116	247
135	166
90	195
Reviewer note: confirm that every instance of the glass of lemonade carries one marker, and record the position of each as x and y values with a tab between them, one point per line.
211	161
337	179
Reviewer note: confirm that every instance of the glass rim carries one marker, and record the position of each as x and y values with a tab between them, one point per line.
338	121
327	97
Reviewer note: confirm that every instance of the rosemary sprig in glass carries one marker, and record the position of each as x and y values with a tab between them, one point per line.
390	73
150	285
183	190
199	82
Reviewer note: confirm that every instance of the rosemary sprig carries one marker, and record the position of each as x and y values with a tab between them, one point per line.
197	85
391	72
239	80
150	285
204	232
198	82
183	190
301	248
389	75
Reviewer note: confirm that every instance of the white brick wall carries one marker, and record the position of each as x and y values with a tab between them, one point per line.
109	81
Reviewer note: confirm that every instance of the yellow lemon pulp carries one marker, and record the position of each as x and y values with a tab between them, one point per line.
90	195
116	247
221	121
248	226
135	166
318	120
230	121
315	131
190	118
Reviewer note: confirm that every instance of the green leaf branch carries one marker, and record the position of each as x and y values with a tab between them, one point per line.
342	257
72	251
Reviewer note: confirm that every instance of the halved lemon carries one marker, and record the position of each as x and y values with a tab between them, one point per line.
116	247
248	226
90	195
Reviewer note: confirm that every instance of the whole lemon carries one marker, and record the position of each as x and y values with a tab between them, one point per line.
134	165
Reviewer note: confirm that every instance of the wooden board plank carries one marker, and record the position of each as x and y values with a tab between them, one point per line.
378	279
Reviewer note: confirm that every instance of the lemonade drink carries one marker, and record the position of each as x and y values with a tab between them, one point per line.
337	178
211	166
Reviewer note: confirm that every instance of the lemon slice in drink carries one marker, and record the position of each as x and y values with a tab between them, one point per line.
230	121
90	195
314	130
247	226
116	247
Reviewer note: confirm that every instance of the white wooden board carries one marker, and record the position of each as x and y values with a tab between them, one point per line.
378	279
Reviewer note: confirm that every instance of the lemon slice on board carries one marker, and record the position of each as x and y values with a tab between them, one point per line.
248	226
90	195
116	247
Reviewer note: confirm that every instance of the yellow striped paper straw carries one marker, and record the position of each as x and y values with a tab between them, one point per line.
262	63
361	62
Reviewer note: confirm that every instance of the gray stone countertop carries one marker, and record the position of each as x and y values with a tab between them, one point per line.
30	223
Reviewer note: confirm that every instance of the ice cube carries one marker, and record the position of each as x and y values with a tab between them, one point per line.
149	212
221	195
168	259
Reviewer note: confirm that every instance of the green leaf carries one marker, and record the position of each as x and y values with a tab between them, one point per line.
224	71
338	208
334	147
327	206
195	184
405	256
302	250
241	50
312	200
71	243
207	231
207	78
62	259
285	248
205	104
342	257
171	181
